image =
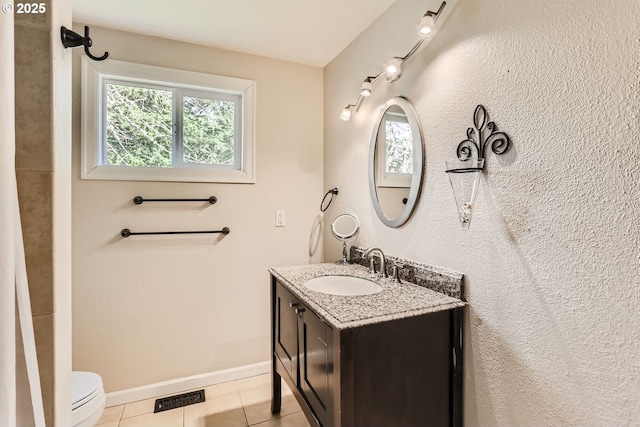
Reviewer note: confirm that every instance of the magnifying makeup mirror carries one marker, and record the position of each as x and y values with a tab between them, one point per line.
343	228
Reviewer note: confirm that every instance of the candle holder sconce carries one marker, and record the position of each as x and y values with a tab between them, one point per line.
464	172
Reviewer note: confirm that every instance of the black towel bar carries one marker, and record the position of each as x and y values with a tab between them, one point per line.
138	200
126	232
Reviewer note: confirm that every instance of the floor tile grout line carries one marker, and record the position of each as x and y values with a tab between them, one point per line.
244	411
247	387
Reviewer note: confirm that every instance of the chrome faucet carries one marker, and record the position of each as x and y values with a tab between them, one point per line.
369	252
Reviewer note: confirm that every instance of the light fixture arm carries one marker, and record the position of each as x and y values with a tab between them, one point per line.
372	79
435	15
413	50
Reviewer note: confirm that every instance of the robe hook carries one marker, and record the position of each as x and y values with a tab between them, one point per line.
72	39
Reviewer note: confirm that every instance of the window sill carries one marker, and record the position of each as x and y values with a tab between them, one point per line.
129	173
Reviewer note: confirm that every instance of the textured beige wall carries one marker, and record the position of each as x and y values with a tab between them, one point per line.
551	259
150	309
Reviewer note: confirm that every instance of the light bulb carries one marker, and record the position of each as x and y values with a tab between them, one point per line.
393	69
426	25
365	90
346	113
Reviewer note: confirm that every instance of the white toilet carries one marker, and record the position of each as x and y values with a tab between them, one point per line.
87	398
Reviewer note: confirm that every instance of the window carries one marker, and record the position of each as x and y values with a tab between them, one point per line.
395	150
398	145
158	124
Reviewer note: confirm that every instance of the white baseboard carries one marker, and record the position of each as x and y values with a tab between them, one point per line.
181	385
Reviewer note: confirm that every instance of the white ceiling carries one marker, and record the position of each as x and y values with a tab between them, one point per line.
306	31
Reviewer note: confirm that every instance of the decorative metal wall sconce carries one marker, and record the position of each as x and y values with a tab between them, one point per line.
393	69
72	39
464	172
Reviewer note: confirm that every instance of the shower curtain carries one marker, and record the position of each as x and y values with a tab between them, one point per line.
18	362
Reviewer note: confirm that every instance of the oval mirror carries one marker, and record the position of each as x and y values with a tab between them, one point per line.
396	162
343	228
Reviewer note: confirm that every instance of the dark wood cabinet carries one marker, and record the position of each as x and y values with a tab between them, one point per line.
303	352
399	373
316	365
286	331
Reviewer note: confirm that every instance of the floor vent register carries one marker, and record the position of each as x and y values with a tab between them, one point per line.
178	401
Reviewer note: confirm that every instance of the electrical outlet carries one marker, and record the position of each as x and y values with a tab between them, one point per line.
280	218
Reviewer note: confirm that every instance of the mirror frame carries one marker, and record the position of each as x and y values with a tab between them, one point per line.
344	238
418	163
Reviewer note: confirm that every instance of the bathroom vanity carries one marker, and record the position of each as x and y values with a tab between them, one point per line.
393	358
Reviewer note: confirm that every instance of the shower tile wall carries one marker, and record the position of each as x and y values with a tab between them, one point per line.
41	171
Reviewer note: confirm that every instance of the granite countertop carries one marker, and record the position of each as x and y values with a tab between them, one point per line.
395	301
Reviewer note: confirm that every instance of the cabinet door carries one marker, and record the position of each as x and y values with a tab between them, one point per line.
286	331
316	365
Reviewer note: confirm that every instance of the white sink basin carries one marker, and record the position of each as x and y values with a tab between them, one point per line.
343	285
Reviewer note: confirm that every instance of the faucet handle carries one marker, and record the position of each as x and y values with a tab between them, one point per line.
394	275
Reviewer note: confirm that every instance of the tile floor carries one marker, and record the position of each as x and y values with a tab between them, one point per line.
241	403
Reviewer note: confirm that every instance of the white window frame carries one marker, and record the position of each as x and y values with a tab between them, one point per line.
94	75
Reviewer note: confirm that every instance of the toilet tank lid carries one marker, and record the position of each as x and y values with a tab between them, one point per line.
83	384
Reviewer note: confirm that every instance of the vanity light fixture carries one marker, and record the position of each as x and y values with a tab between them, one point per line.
393	69
464	172
346	112
365	89
428	21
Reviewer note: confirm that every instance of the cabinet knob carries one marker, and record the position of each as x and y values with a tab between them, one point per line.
294	304
299	310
